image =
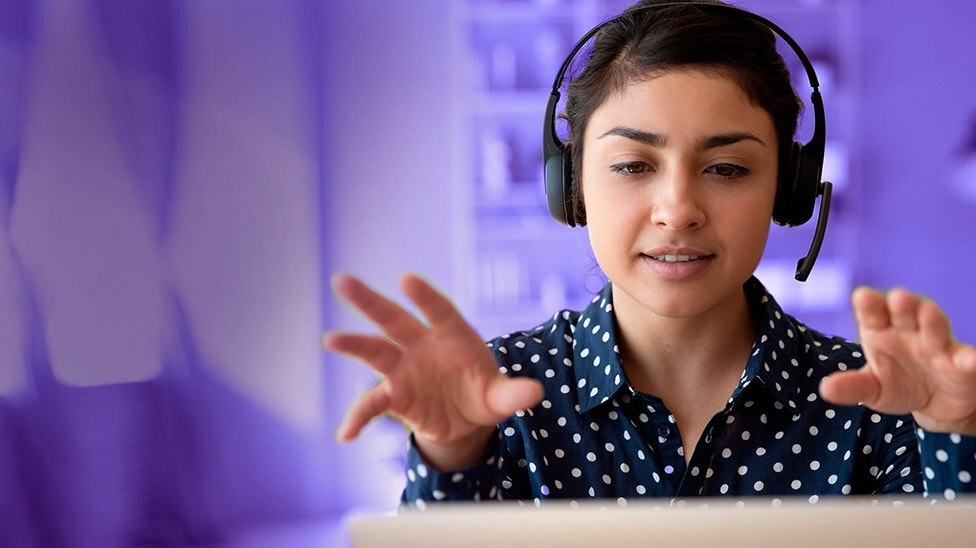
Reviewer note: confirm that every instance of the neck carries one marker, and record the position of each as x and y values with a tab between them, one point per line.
683	355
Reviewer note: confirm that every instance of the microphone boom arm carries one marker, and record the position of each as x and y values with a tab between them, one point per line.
805	265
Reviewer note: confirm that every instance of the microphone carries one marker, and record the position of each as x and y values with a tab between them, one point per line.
805	264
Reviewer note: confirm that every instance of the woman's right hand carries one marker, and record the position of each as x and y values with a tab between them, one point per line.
439	378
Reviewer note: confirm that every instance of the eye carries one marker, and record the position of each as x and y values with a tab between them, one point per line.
727	171
630	168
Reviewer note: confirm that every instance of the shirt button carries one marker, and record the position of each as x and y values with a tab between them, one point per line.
663	431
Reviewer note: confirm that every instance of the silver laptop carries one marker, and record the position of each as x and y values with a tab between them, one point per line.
758	522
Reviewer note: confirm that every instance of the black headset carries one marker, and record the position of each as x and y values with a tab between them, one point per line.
799	183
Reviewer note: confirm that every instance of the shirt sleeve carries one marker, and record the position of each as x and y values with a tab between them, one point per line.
948	463
897	468
425	484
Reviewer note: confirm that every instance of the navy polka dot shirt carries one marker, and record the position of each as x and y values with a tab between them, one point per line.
595	436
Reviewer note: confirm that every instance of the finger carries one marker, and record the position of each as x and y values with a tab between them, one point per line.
870	308
903	309
934	325
505	396
370	404
437	308
396	322
377	352
851	387
965	359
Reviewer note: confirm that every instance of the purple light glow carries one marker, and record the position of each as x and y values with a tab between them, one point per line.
179	179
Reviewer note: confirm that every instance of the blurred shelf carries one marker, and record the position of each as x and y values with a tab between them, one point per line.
512	11
509	104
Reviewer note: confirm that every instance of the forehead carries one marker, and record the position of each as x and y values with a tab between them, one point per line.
682	101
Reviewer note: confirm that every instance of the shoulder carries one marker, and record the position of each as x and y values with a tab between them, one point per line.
550	349
832	352
798	357
793	345
519	352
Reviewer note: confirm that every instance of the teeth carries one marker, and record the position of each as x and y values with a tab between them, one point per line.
676	258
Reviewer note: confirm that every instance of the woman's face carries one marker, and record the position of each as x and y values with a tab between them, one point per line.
678	179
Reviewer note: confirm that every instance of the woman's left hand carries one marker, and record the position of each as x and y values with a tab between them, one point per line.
914	365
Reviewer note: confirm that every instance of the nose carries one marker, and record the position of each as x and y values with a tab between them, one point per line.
678	201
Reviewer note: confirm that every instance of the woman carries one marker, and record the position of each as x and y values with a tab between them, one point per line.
683	377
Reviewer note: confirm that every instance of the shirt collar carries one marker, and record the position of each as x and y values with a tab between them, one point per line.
778	351
596	361
600	375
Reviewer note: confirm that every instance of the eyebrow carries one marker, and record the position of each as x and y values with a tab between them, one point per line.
659	141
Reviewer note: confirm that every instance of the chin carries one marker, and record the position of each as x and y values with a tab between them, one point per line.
686	299
677	303
678	310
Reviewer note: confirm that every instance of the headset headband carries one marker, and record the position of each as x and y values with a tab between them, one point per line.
552	142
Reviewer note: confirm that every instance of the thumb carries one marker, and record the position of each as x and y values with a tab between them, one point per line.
506	395
850	387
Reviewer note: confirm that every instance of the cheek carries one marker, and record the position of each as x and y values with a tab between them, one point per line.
752	231
599	225
603	205
757	235
613	223
608	245
606	201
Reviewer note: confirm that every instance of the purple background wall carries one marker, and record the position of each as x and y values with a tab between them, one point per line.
917	115
179	178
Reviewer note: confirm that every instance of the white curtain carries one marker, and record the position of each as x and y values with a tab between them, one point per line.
160	269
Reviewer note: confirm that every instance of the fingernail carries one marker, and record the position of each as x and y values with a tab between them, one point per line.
335	279
341	436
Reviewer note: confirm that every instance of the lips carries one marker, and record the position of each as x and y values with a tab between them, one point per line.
676	258
677	254
677	263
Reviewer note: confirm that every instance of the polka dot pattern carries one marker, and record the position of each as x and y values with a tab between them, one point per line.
596	436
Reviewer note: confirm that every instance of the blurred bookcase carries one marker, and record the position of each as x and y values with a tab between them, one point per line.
515	266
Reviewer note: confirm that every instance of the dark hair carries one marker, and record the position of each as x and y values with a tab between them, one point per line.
643	42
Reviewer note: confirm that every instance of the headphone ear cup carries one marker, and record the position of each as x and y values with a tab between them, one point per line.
559	186
788	191
807	184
